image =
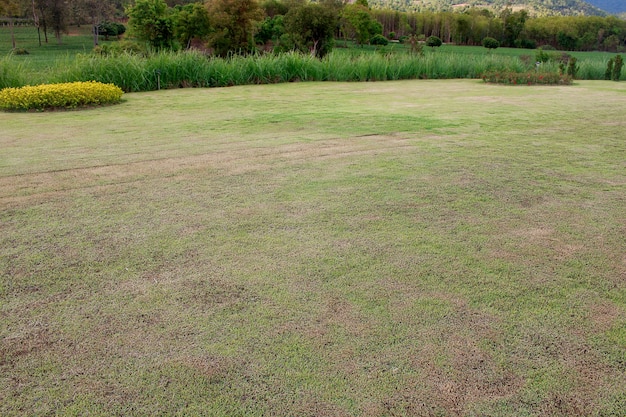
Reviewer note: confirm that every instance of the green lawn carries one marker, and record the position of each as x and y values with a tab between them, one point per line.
405	248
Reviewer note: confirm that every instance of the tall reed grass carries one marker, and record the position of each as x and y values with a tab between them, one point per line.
192	69
11	73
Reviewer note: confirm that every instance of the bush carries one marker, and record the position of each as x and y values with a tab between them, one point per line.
379	40
491	43
66	95
527	78
609	69
572	68
526	44
543	56
616	71
108	29
433	42
120	48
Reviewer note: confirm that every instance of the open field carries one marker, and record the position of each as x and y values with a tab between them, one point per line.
411	248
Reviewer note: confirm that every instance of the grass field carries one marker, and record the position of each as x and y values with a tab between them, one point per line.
411	248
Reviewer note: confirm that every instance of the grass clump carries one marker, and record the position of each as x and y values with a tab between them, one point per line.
527	78
64	95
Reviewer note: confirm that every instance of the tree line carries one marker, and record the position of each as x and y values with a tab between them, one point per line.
242	26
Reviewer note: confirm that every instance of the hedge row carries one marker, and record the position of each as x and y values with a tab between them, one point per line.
64	95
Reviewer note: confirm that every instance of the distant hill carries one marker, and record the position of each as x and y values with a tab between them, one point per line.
611	6
537	7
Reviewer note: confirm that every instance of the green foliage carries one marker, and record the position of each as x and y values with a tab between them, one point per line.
526	78
11	73
572	68
234	23
271	30
121	47
434	41
491	43
379	40
358	23
191	21
544	55
150	21
616	71
311	27
609	69
109	29
66	95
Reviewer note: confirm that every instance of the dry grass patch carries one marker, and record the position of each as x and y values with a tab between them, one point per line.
259	251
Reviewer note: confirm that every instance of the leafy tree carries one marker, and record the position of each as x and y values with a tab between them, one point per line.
434	42
234	22
192	21
54	13
98	12
514	23
274	8
491	43
379	40
616	71
108	29
150	21
10	9
271	30
358	22
311	27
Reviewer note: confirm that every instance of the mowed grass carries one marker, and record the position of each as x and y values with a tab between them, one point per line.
406	248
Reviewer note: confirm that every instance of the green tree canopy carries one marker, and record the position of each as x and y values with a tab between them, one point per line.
191	21
150	21
311	27
234	22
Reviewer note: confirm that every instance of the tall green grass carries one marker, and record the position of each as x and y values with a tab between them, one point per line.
192	69
11	73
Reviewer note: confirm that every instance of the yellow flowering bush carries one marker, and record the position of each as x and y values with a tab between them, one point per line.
65	95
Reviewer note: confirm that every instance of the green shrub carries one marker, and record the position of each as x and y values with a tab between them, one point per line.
526	78
120	47
491	43
11	73
379	40
434	41
572	68
616	72
65	95
543	56
609	69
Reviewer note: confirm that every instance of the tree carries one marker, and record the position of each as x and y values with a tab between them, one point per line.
491	43
311	27
150	21
97	12
234	22
108	29
10	9
359	23
514	23
54	12
192	21
434	42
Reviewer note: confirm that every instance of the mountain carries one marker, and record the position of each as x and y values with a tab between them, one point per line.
535	7
611	6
